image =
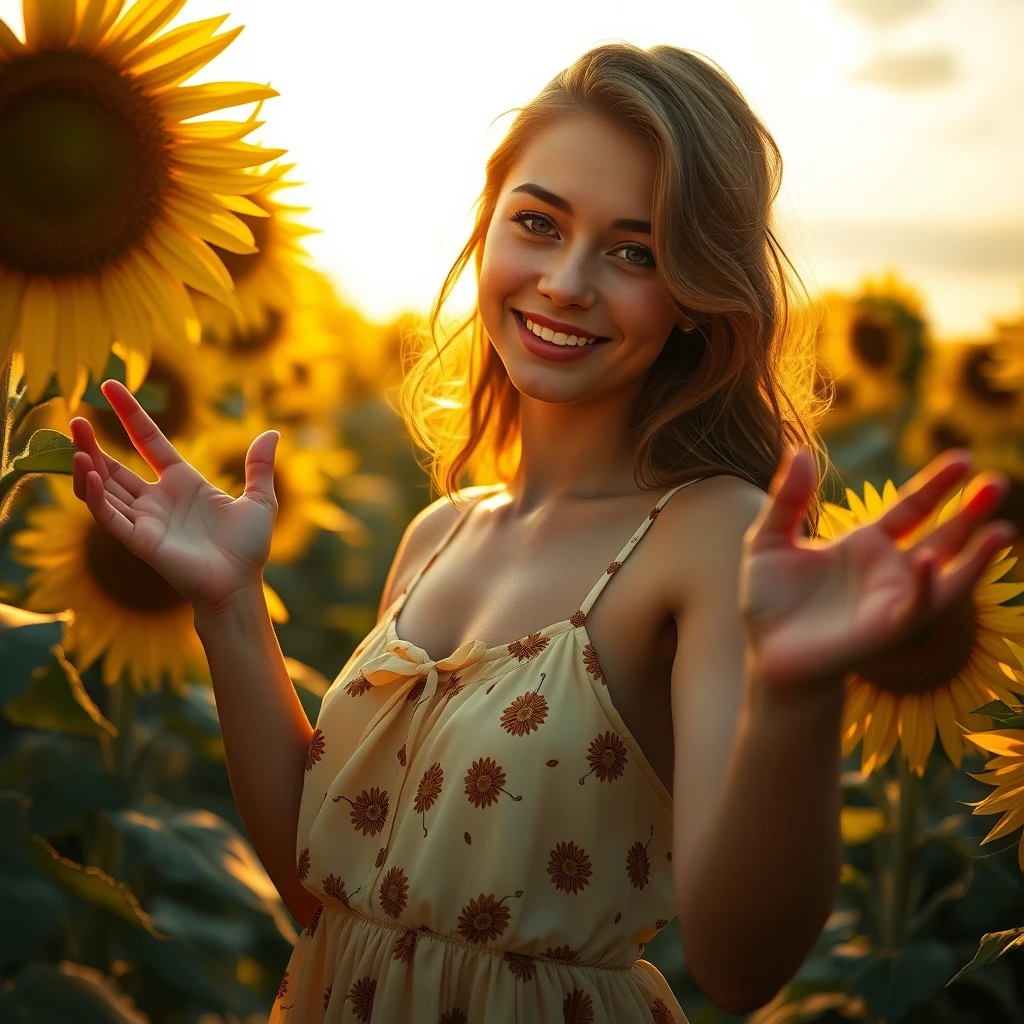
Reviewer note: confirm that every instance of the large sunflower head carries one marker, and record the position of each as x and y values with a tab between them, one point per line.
110	196
938	679
265	280
927	434
300	485
871	345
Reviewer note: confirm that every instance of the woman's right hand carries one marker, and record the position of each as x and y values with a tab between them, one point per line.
209	546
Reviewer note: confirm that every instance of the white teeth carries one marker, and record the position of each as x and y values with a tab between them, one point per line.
558	339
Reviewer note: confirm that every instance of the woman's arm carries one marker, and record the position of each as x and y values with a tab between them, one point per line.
266	735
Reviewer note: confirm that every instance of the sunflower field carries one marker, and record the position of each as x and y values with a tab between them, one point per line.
144	237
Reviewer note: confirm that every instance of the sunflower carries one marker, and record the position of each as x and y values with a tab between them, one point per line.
265	277
1007	366
299	484
870	346
939	680
109	194
188	386
123	608
961	383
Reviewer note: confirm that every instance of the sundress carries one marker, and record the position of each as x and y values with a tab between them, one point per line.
486	839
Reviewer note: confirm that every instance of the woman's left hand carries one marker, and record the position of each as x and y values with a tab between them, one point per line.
816	610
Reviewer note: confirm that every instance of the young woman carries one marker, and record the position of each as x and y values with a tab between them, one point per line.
558	739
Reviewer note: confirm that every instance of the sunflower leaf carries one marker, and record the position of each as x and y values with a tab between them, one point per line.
1006	716
25	642
69	991
92	884
993	945
891	981
47	451
56	699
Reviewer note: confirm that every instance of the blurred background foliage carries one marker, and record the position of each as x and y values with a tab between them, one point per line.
128	890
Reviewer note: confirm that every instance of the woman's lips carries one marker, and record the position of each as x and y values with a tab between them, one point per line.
548	349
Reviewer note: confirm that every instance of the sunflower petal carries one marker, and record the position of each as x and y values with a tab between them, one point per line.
172	45
133	334
12	288
875	734
221	131
193	261
143	19
164	76
239	204
94	20
1012	820
1000	741
155	282
949	734
48	23
221	182
193	100
227	155
38	335
10	44
220	227
98	326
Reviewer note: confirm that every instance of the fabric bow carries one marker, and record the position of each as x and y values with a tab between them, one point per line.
405	659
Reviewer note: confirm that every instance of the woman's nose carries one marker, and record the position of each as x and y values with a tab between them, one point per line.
567	281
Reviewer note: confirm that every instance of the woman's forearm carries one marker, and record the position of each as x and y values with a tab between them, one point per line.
266	735
764	882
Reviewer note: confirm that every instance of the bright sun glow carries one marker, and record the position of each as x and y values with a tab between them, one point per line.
900	140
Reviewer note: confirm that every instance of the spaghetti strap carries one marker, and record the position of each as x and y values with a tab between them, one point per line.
595	591
452	530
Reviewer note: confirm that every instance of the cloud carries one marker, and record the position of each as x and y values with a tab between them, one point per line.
908	72
883	14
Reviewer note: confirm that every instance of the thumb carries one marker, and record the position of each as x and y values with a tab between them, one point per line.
259	468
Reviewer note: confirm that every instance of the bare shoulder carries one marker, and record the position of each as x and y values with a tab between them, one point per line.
424	532
701	533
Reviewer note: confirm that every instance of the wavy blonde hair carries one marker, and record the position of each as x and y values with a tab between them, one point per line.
743	385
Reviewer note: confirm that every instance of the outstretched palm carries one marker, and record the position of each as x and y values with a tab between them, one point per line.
206	544
817	610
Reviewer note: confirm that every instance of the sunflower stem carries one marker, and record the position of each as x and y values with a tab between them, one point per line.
897	911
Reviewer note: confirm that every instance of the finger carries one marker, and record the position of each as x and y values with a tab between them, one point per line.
791	489
962	573
114	522
144	433
259	469
116	478
981	497
924	490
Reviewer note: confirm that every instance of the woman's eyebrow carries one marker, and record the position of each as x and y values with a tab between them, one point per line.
541	193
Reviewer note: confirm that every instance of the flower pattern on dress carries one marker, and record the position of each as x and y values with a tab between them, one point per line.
283	987
303	866
654	513
361	994
358	686
660	923
327	996
638	864
315	750
392	892
382	855
335	888
453	1016
592	664
578	1007
314	920
454	687
429	788
613	568
578	618
607	757
569	868
528	647
563	954
520	964
405	946
484	781
525	714
484	919
661	1013
401	756
416	692
369	811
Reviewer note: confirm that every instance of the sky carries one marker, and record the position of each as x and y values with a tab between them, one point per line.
898	121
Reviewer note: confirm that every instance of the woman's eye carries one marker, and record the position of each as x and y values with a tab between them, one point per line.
523	217
646	256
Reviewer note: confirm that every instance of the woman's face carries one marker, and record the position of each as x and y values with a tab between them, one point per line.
569	247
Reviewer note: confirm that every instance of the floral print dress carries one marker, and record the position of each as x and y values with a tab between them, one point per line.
486	839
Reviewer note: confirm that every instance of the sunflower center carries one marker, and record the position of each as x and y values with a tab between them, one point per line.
944	436
175	398
872	343
258	340
931	658
977	368
85	163
125	578
243	265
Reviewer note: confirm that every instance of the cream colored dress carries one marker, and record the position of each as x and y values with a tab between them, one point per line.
486	839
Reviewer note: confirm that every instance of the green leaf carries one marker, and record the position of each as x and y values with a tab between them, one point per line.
31	905
57	700
195	718
196	847
47	451
25	642
993	945
92	884
1007	717
68	993
893	981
